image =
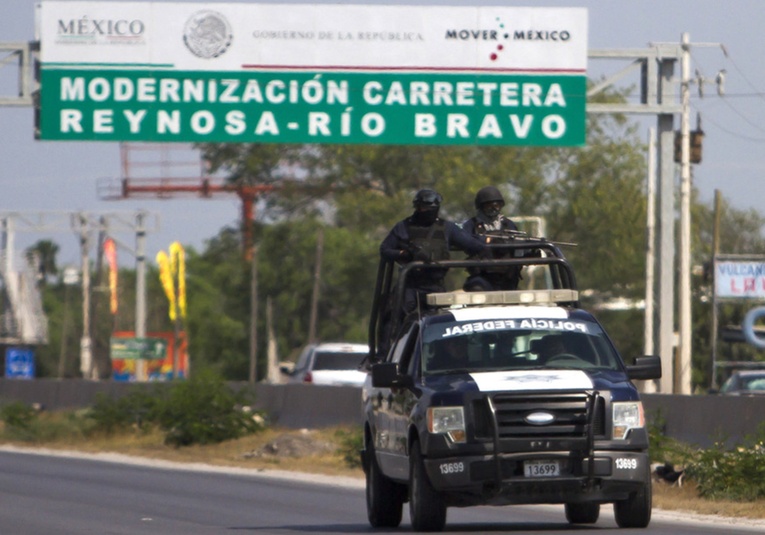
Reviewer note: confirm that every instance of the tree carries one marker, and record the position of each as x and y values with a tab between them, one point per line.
43	253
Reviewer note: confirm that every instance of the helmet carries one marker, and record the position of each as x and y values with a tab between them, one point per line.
488	194
427	198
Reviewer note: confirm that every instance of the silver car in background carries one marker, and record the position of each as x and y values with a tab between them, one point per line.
336	364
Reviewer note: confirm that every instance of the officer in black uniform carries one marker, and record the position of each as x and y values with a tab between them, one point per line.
425	237
490	221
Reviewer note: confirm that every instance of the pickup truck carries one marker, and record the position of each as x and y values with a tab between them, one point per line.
501	398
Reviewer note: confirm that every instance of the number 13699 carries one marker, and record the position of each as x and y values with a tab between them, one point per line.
451	468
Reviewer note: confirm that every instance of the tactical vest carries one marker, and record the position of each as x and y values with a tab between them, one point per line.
431	240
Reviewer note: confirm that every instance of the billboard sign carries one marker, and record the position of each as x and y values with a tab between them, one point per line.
313	73
740	279
152	358
138	348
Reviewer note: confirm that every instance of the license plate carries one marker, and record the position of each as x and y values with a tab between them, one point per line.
541	468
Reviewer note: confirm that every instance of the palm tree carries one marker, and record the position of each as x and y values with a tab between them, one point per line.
44	254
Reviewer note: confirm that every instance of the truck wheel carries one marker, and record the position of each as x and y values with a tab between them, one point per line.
384	497
635	511
426	508
582	513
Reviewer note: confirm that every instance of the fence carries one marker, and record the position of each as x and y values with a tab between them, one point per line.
700	420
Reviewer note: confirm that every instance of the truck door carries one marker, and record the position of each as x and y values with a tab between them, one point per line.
393	409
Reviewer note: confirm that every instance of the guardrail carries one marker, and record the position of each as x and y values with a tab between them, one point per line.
700	420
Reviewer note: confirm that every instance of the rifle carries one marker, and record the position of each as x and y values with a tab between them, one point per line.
517	235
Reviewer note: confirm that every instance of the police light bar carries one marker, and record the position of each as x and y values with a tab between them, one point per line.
514	297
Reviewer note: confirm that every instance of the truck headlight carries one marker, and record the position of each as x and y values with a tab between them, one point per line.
449	421
627	415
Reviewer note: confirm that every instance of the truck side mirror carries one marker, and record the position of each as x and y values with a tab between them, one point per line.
385	375
647	367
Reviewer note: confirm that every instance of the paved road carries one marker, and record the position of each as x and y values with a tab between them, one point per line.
41	494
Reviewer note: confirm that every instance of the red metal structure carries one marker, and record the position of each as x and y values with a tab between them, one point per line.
172	161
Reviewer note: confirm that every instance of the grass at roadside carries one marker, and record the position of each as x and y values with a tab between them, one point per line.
686	499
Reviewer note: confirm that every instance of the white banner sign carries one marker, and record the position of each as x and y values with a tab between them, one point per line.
740	279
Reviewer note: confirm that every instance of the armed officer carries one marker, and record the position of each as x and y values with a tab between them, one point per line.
491	226
425	237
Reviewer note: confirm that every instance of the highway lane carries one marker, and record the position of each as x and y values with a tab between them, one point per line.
41	494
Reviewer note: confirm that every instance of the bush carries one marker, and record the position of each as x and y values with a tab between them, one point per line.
736	474
201	410
719	472
20	420
136	409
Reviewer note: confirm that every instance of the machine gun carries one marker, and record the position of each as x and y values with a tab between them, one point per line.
505	237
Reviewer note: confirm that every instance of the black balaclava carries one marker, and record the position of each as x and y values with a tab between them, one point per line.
426	205
425	216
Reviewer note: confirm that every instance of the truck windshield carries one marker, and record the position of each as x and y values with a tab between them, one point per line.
518	344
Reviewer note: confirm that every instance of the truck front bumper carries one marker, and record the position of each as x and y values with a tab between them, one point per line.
485	479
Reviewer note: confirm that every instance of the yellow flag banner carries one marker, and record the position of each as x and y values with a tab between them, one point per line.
166	278
110	251
178	268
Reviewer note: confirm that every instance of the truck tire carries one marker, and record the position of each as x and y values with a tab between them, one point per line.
384	497
635	511
582	513
426	508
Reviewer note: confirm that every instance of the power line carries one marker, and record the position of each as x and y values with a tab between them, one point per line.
757	92
728	98
707	119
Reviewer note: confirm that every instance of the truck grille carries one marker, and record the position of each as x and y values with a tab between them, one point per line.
570	412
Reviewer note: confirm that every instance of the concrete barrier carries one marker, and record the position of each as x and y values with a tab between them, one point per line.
697	420
706	419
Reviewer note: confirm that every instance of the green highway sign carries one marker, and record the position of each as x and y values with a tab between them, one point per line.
138	348
333	107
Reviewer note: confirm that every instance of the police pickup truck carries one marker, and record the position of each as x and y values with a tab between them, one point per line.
500	398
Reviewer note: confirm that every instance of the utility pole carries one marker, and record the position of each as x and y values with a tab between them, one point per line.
713	270
316	286
140	267
86	355
685	297
655	68
253	313
683	380
140	289
648	336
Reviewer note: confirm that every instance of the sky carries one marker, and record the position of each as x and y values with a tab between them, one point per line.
49	176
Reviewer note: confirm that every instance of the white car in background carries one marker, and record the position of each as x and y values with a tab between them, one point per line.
336	364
